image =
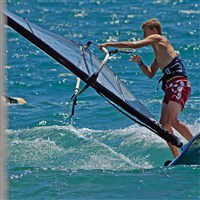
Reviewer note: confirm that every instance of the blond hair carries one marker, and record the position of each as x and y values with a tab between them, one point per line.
153	23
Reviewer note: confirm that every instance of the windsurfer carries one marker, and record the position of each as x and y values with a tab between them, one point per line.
175	83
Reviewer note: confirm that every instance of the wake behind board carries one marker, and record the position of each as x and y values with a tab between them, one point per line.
190	154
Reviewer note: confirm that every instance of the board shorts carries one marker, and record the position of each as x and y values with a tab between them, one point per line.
177	90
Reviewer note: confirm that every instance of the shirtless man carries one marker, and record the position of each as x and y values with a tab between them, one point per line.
175	83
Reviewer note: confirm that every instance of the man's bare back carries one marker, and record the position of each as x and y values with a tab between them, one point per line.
163	50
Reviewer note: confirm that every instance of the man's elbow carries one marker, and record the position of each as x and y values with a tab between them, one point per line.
151	76
133	45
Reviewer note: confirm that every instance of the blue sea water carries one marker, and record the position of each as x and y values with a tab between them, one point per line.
101	154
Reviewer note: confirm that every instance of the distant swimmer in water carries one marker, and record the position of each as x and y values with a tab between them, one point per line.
13	100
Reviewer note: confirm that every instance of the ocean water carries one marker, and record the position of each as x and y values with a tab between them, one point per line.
100	154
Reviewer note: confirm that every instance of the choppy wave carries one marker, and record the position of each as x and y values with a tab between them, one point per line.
71	148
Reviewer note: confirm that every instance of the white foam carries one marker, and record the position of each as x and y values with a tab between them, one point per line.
121	149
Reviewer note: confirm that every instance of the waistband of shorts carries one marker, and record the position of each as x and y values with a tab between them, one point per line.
175	59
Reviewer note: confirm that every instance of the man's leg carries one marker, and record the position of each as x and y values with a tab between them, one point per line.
166	125
173	110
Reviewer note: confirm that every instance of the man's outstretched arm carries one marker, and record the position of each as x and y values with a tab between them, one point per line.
134	45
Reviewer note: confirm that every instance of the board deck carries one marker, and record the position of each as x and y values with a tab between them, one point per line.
190	154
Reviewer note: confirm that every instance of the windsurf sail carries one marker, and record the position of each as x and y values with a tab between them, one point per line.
77	57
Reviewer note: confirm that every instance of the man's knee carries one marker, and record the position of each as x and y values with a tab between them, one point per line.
173	122
164	123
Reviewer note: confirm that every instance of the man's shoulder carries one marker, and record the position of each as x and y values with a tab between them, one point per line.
156	37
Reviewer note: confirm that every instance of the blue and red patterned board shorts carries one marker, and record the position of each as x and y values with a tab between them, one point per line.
177	90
